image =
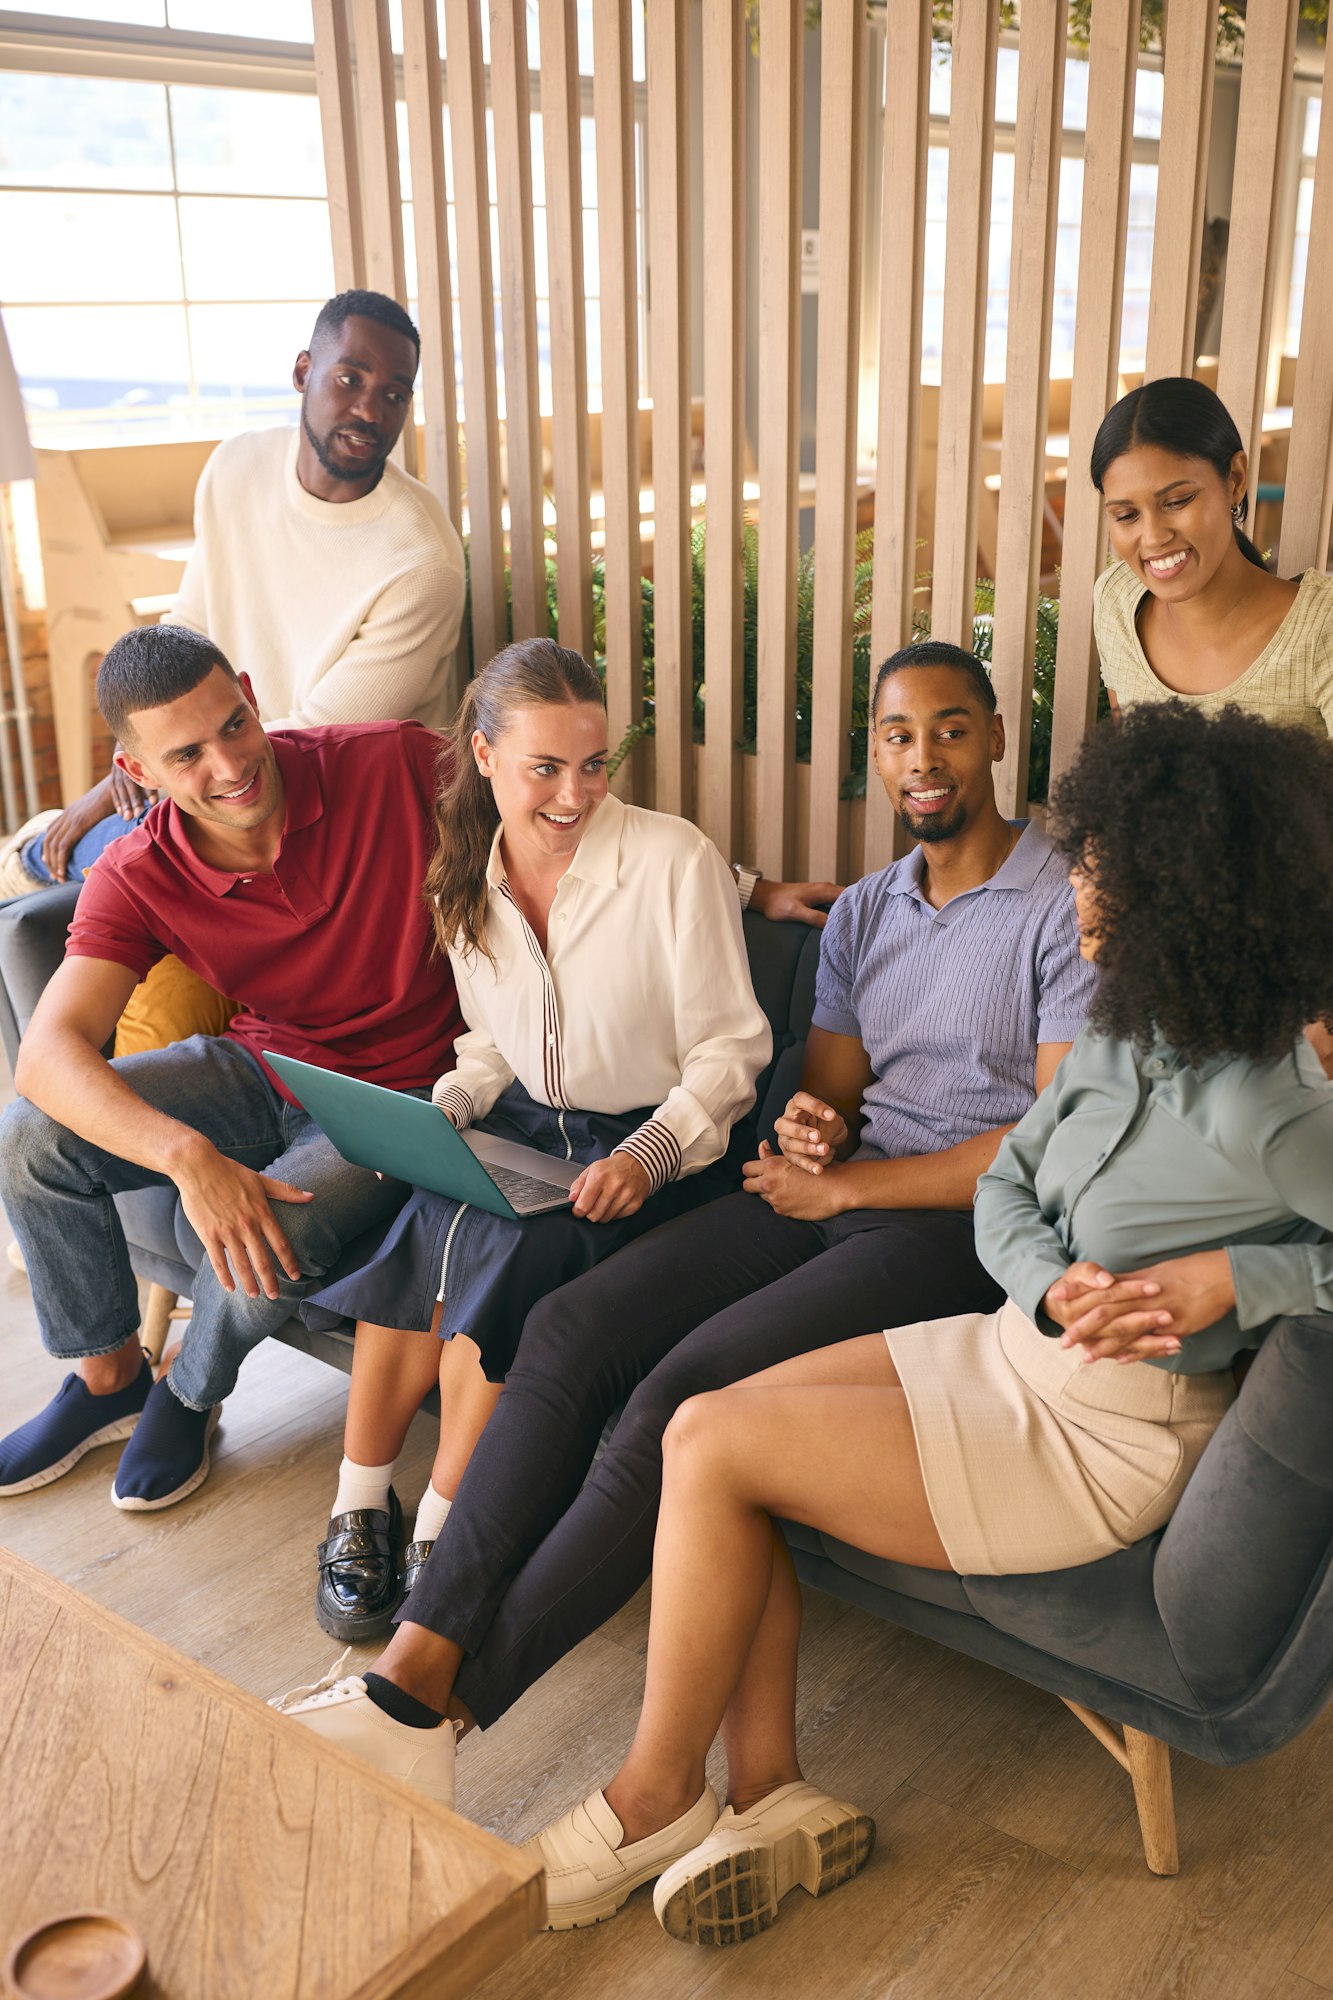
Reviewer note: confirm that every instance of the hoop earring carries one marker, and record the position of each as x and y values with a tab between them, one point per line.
1238	512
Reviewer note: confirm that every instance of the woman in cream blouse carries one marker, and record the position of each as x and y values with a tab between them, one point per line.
1169	1194
1188	608
602	973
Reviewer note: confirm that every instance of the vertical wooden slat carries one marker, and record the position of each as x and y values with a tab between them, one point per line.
1266	80
722	816
1307	509
423	91
1041	71
901	277
1101	271
510	100
1182	183
613	114
381	188
337	119
780	79
476	301
563	154
669	382
841	179
966	258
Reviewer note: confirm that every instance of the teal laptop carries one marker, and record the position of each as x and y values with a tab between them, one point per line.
408	1139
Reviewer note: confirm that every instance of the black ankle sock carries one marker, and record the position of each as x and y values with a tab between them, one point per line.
402	1707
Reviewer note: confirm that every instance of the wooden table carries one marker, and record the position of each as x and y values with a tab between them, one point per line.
252	1858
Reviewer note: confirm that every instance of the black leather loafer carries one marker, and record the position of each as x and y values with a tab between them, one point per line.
414	1561
359	1588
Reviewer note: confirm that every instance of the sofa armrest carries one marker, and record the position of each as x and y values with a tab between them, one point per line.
33	930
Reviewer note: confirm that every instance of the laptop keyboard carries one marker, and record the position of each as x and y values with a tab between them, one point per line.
524	1189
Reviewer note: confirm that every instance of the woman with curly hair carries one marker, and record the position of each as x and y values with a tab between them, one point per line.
1189	608
1166	1198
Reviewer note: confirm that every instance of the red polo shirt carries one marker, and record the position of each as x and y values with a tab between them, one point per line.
330	955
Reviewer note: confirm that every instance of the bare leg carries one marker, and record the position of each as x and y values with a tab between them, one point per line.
104	1374
840	1456
391	1372
466	1402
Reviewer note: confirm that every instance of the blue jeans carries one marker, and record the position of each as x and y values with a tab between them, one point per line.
91	848
58	1189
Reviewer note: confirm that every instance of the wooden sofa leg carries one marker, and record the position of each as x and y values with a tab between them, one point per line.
156	1321
1150	1769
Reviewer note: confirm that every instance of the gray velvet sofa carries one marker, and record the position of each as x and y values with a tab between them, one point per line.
1214	1636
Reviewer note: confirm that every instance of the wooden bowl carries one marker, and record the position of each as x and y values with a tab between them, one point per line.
84	1956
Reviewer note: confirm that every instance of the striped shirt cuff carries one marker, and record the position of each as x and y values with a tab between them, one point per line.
657	1150
453	1100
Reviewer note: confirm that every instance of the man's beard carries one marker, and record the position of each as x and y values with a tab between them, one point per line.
369	468
930	827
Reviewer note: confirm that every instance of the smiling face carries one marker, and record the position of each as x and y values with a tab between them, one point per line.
356	391
936	744
207	750
548	775
1170	518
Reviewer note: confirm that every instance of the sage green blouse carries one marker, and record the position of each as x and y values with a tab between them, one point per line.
1132	1156
1291	681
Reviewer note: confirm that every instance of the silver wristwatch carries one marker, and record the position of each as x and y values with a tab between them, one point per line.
745	881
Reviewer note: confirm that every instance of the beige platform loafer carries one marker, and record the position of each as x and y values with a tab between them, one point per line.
729	1888
589	1874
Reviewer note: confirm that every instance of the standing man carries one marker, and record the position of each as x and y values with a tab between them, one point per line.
263	868
336	577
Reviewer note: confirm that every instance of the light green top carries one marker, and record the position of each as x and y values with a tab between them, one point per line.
1130	1157
1291	681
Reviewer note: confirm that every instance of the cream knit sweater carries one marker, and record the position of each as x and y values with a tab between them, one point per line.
338	612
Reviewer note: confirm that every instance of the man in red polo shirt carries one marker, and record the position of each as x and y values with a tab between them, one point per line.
286	871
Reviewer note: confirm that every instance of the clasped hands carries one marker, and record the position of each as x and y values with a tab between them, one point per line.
796	1180
1136	1315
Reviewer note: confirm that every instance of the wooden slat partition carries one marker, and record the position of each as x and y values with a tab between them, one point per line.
780	109
337	120
511	104
1182	183
907	58
1041	72
422	88
1307	510
476	289
563	155
669	379
722	804
1252	251
381	186
613	115
1101	267
841	178
967	256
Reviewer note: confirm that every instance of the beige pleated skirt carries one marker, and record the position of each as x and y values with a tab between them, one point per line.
1036	1460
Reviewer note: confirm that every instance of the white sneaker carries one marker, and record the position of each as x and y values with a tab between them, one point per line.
342	1712
589	1874
730	1886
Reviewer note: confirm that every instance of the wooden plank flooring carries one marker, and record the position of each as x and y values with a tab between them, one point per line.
1008	1863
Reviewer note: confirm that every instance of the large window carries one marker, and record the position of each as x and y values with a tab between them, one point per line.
166	248
1139	234
166	245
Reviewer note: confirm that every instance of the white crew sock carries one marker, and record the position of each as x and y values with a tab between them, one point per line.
363	1486
431	1516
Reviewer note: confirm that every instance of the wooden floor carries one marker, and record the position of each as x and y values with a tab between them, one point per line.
1008	1862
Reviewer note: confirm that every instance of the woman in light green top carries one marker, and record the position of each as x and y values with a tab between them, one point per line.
1189	608
1169	1193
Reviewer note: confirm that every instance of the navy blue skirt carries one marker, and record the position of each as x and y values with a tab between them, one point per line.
488	1271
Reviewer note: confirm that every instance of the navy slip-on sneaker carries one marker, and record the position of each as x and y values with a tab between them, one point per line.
73	1422
167	1456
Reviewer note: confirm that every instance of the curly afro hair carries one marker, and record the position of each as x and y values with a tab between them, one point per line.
1211	842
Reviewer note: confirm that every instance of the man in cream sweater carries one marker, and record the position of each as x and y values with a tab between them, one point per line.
334	576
